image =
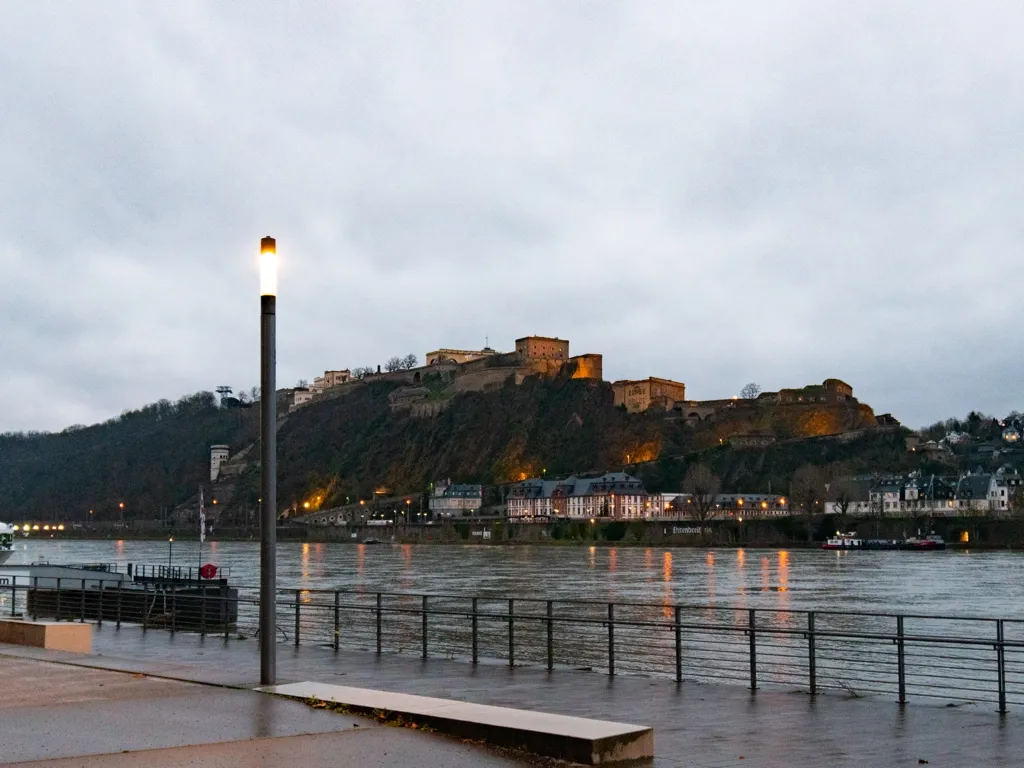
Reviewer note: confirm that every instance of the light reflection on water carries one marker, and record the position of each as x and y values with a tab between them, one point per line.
978	583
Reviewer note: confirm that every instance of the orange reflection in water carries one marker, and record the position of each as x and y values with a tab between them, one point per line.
648	558
666	567
766	579
593	557
213	547
712	581
666	576
360	559
305	560
783	571
119	546
613	559
741	558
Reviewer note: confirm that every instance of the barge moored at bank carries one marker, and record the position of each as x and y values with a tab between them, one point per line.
848	541
197	599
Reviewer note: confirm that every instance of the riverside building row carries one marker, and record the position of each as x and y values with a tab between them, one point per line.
619	496
991	494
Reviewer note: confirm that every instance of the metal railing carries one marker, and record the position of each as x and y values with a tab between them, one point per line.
906	656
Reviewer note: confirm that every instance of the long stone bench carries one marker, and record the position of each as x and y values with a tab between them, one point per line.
53	635
591	742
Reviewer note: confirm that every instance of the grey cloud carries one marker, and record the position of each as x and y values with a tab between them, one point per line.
712	192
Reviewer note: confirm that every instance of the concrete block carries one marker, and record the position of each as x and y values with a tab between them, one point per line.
52	635
591	742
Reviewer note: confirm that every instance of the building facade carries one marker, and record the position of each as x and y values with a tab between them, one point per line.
300	397
530	348
450	499
641	394
725	506
924	496
613	495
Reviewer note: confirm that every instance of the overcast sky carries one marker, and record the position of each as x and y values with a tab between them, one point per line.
716	193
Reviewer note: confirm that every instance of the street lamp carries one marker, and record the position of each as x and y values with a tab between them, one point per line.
268	461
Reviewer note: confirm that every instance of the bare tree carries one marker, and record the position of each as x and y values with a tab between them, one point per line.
361	373
750	391
876	503
254	394
409	361
303	384
807	489
224	391
702	485
243	397
393	364
841	493
1017	501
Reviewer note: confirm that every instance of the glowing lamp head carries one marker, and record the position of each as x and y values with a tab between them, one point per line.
268	267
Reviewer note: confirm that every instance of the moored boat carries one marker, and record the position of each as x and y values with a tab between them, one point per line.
843	541
930	542
847	541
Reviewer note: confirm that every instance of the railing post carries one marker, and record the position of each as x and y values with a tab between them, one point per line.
812	661
81	607
35	598
298	602
753	649
145	606
511	633
99	611
611	638
424	631
58	599
551	636
476	638
901	666
225	609
379	628
679	645
174	610
202	611
119	586
1001	666
337	619
14	595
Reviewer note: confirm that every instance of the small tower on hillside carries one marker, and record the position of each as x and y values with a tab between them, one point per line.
218	455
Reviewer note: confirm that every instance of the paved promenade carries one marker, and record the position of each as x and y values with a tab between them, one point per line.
695	725
61	716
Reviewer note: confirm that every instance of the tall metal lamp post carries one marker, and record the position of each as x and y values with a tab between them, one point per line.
268	462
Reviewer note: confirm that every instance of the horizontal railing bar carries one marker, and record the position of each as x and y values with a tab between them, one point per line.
603	604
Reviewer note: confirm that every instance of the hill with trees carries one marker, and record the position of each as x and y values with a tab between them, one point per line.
149	459
155	458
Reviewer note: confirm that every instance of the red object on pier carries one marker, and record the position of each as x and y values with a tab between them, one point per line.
208	571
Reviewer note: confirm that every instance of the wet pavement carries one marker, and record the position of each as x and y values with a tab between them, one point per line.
60	715
695	725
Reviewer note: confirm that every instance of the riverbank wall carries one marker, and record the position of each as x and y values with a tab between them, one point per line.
968	532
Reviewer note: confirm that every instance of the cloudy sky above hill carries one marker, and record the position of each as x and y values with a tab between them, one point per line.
712	192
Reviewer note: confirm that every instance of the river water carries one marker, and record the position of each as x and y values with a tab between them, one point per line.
973	583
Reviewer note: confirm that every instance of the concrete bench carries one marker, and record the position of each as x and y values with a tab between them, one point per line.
591	742
53	635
